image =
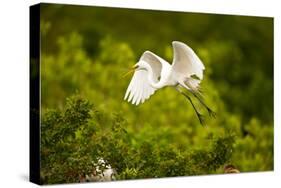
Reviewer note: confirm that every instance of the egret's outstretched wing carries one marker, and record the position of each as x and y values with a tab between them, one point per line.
187	63
139	88
155	63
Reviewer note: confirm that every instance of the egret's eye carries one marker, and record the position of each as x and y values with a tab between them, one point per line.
136	66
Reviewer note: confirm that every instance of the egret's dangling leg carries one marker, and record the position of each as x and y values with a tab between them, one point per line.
210	111
200	116
200	98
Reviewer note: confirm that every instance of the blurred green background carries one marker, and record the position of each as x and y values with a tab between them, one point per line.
86	50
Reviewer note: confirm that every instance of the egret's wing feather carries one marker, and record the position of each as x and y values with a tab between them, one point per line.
139	88
131	90
143	87
135	92
187	63
155	63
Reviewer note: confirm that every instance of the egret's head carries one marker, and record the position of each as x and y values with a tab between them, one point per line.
140	65
136	66
132	69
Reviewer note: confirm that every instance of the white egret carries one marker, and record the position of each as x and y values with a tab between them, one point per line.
101	172
152	73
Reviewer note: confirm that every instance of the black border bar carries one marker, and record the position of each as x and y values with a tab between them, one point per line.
34	95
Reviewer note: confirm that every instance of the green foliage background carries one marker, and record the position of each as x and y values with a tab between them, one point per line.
86	50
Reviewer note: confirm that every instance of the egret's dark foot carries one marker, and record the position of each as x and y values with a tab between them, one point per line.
201	119
211	113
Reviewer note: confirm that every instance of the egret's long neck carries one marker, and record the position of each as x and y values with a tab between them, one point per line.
151	80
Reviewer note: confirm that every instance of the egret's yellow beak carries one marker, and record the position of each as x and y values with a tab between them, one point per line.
132	69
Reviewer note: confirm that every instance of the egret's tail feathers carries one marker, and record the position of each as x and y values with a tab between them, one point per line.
200	91
191	84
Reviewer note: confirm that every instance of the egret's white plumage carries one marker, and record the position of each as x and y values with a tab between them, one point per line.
152	73
185	64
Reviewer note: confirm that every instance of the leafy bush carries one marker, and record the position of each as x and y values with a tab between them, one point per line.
76	137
